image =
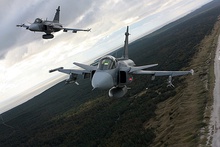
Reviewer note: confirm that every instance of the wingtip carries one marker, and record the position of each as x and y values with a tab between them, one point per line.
53	70
192	71
19	25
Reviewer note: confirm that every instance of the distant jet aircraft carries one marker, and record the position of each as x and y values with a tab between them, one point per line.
49	27
115	73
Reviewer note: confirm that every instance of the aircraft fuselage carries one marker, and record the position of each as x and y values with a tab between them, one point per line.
108	75
45	26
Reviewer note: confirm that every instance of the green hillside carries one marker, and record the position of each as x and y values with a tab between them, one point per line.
71	115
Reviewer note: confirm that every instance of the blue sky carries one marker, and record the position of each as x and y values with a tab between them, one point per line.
25	57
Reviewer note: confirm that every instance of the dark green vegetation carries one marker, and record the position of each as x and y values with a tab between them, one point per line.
76	116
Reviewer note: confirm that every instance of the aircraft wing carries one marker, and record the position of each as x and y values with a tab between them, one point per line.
75	30
164	73
170	74
69	71
73	73
23	25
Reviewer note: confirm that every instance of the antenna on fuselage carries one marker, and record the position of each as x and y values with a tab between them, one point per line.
125	55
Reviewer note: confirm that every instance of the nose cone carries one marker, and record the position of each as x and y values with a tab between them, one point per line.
34	27
102	80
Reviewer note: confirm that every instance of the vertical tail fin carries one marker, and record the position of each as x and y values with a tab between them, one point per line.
57	15
125	56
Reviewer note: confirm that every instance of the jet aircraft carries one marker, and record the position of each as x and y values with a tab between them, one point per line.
115	73
49	27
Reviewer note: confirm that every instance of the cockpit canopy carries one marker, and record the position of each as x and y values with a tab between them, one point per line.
107	63
38	20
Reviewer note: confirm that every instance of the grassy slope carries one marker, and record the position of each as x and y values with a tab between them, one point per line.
182	120
73	115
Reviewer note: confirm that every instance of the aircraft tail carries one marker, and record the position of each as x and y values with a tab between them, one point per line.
57	15
125	55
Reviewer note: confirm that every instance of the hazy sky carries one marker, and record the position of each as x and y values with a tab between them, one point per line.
25	57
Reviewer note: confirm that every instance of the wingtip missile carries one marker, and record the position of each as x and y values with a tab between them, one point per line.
192	71
20	25
56	69
23	25
89	29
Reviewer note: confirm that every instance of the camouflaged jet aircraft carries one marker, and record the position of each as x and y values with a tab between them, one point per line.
115	73
49	27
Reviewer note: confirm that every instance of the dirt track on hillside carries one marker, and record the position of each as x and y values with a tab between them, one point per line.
215	120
